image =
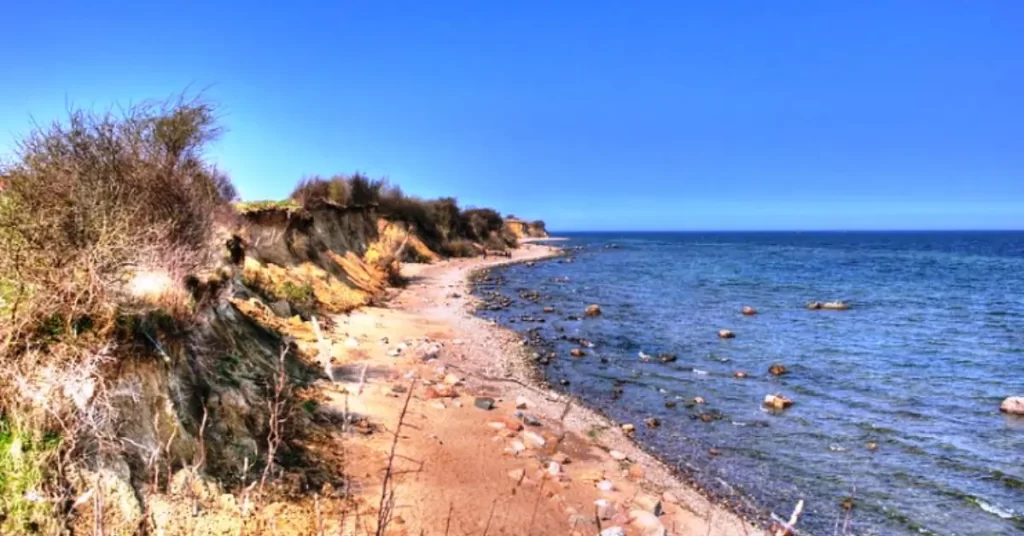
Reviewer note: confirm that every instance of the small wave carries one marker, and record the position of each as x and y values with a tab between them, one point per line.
992	509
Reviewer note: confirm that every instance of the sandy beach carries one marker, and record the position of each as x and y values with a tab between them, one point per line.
535	463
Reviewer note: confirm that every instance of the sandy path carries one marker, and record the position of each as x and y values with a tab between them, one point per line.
464	470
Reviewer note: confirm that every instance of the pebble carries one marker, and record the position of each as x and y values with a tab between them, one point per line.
535	438
560	457
739	374
647	522
616	455
613	531
698	400
649	503
652	422
605	509
518	446
394	353
554	468
530	420
636	472
522	402
484	403
351	343
517	474
452	379
628	428
605	485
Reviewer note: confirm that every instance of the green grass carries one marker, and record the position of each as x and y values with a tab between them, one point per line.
23	459
254	206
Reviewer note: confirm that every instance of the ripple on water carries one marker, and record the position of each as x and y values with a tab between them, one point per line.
917	366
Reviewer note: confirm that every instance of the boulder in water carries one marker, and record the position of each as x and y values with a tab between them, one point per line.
576	352
726	334
835	306
1013	405
592	310
778	369
749	311
777	401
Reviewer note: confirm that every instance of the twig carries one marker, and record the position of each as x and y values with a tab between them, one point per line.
448	522
787	528
362	379
387	492
489	516
277	408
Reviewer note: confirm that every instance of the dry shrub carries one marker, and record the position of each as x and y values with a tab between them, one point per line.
102	216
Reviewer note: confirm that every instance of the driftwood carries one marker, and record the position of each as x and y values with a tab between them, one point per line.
787	528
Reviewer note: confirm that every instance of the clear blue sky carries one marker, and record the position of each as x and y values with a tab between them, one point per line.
591	115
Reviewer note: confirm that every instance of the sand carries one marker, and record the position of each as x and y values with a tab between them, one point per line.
459	469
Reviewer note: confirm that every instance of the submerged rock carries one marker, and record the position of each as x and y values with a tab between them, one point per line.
777	370
831	306
1013	405
592	310
576	352
726	334
749	311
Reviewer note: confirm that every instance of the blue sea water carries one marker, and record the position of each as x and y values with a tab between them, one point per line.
917	367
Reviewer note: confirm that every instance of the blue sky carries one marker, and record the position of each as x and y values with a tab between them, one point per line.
590	115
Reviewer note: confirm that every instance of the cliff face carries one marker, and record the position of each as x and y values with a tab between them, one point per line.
524	229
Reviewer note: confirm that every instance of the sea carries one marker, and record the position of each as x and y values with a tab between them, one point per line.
895	425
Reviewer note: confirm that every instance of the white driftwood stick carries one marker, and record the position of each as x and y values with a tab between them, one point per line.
323	349
789	526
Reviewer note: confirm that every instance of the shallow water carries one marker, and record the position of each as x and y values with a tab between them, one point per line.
918	366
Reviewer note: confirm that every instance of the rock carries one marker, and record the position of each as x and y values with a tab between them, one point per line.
649	503
652	422
484	403
497	425
554	468
628	428
670	403
739	374
351	343
831	306
605	509
395	352
439	391
647	523
563	381
121	512
613	531
777	401
560	457
777	370
592	310
452	379
576	352
616	455
636	472
535	439
530	420
522	402
549	309
518	446
667	358
1013	405
698	400
749	311
726	334
282	309
872	446
517	474
713	451
606	485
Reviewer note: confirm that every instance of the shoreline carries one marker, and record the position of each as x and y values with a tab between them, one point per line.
470	460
